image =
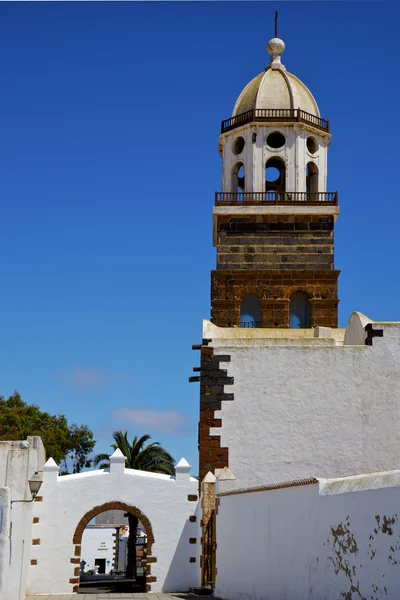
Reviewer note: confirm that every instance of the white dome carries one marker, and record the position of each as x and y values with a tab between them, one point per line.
276	88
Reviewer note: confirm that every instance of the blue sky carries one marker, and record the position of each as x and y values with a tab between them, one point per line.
110	116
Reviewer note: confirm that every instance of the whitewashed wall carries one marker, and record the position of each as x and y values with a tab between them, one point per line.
161	498
322	541
309	407
17	465
99	542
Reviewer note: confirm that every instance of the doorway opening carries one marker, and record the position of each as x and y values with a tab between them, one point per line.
113	545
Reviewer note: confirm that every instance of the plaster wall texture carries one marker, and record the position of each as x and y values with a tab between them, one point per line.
98	542
17	465
161	498
255	155
303	410
308	542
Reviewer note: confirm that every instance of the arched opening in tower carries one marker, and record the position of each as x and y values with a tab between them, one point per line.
250	311
275	175
238	178
312	178
299	311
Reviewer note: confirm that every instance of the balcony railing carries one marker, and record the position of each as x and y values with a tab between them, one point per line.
272	198
274	115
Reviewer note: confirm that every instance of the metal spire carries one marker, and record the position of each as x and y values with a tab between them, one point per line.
276	24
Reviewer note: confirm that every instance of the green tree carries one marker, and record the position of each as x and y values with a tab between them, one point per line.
151	457
68	444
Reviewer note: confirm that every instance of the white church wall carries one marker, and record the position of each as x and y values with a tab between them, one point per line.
17	534
19	460
308	406
327	540
167	502
99	543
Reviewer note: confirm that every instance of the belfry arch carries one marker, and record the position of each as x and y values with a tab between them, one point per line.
238	178
275	175
97	510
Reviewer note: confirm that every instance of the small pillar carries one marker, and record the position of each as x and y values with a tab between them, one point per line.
50	471
225	481
117	463
182	470
208	530
207	497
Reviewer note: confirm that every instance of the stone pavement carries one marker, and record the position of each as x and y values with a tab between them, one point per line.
136	596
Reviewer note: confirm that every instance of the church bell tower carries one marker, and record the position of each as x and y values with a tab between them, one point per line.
273	221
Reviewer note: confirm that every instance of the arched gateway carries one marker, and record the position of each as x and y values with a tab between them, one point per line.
91	514
167	507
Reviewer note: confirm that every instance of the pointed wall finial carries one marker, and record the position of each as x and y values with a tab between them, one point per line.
117	462
209	478
276	24
51	465
182	470
50	471
226	475
117	457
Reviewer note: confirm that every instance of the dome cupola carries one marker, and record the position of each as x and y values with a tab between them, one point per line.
275	88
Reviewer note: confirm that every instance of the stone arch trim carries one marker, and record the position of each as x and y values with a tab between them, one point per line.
77	538
299	288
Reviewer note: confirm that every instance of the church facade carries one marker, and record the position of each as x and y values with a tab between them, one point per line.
284	393
299	422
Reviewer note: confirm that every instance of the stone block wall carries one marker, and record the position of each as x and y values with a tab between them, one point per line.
274	288
213	380
275	242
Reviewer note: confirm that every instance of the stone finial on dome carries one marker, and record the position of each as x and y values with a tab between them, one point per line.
275	48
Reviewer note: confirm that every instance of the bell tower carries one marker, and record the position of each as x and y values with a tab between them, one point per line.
273	221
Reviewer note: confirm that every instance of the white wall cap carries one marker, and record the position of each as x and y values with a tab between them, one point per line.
51	465
209	478
183	465
226	475
117	457
355	329
323	332
290	209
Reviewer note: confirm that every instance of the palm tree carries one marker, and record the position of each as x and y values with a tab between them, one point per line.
152	457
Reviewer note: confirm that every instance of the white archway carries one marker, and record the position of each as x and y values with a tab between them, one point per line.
166	505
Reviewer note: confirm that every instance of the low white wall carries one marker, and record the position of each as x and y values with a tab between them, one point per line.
162	499
311	542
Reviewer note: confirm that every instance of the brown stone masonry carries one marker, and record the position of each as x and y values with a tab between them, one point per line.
275	242
212	379
274	289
